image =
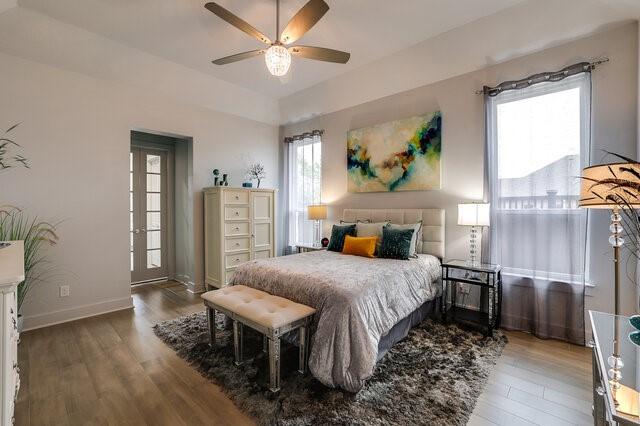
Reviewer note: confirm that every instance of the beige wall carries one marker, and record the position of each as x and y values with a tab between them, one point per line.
614	128
76	132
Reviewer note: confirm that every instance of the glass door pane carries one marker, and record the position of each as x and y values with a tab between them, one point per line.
148	204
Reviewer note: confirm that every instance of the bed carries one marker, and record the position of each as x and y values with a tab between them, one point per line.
363	305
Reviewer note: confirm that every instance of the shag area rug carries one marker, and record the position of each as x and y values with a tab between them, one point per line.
432	377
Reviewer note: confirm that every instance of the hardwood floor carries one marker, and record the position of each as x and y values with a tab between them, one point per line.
112	369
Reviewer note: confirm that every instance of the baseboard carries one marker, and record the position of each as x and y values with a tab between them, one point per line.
65	315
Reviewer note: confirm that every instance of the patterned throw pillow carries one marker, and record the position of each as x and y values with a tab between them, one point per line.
396	243
338	232
359	246
417	235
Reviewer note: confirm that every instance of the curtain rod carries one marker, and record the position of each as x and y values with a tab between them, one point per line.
303	136
541	78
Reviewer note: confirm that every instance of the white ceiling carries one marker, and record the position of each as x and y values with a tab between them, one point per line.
184	32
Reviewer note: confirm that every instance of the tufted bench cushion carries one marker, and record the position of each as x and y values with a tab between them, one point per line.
257	306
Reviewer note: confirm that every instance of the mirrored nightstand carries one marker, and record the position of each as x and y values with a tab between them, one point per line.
484	275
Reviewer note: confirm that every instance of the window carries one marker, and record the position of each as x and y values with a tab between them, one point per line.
305	160
538	144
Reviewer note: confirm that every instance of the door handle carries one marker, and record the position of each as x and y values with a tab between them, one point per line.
144	230
137	231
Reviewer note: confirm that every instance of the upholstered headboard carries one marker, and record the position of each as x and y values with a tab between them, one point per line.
432	224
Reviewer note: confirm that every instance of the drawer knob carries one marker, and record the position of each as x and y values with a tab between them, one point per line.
237	213
237	228
237	197
237	259
600	390
237	244
590	344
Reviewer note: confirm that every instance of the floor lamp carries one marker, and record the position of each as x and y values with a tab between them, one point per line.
614	187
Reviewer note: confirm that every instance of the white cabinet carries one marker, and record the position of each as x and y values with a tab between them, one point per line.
11	273
239	225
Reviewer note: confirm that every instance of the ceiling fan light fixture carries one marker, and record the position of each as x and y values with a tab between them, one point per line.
278	60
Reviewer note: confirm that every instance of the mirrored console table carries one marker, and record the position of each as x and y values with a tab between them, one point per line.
616	371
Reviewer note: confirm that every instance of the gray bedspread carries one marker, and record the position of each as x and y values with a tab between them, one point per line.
358	300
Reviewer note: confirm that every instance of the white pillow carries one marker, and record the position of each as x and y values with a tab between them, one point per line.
371	230
417	228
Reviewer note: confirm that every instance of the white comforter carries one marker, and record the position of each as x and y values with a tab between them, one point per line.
358	300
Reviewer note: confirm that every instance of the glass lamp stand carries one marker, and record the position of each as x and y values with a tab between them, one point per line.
316	234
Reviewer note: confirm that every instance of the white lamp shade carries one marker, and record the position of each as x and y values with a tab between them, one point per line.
473	214
317	212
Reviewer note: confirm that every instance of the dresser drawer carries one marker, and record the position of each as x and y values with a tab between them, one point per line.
236	197
232	260
235	244
236	213
236	228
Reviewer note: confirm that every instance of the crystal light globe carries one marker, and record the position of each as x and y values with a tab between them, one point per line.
278	60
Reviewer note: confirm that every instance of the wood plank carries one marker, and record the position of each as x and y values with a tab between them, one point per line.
558	410
112	369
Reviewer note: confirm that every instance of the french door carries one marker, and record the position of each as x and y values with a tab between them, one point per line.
148	214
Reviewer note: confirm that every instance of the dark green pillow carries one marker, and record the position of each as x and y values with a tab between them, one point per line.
338	233
396	243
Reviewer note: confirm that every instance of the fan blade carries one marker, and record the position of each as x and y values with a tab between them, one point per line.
320	54
238	57
304	20
236	22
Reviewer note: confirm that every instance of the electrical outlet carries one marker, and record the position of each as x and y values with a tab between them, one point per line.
64	290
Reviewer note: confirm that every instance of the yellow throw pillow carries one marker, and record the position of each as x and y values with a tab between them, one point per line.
360	246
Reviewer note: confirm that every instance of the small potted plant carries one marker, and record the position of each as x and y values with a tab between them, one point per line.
256	172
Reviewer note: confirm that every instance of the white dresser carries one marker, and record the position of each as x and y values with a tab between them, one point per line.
239	225
11	273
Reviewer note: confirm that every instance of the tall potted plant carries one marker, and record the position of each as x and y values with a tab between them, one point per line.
15	225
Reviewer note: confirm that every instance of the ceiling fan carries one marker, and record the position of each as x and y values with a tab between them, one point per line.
278	56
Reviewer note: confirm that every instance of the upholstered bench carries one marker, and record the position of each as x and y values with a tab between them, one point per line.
270	315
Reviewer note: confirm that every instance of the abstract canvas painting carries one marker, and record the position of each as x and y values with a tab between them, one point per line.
402	155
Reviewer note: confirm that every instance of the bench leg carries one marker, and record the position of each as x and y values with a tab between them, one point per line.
303	340
274	364
211	321
237	341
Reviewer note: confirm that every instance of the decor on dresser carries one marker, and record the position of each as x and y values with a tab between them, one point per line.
317	213
239	225
16	225
475	215
325	242
401	155
216	174
256	172
436	375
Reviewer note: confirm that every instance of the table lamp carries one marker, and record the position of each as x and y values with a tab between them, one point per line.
475	215
317	213
614	187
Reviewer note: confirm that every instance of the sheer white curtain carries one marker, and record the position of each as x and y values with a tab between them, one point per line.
538	141
304	173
